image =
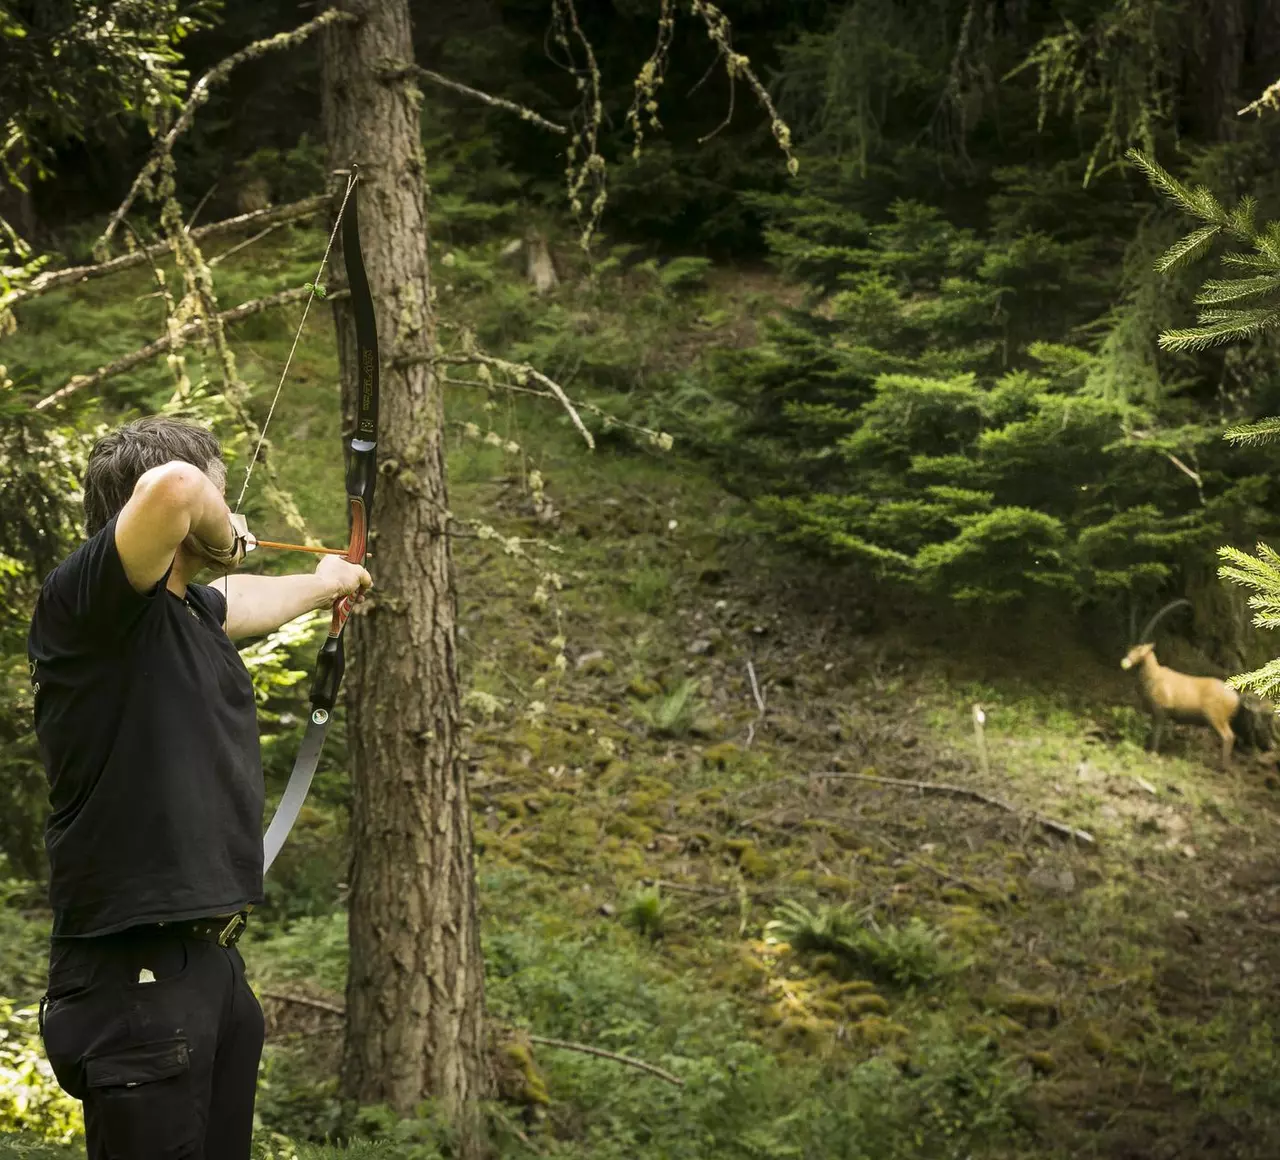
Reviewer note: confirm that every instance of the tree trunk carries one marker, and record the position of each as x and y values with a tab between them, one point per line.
1216	60
415	989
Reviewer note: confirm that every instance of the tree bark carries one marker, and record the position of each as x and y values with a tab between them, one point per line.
415	990
1217	58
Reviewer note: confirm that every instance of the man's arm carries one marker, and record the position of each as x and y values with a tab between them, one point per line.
258	604
169	503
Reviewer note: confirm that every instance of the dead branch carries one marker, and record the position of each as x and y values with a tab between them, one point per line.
585	1049
200	94
656	437
760	706
305	1001
160	345
1270	97
520	371
718	30
961	791
525	114
755	687
252	239
954	879
541	1040
53	279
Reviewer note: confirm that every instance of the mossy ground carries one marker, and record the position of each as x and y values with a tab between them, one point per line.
1129	984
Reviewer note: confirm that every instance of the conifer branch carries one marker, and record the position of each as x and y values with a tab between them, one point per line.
1187	249
1262	431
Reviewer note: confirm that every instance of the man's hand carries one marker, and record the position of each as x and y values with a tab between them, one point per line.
258	604
341	578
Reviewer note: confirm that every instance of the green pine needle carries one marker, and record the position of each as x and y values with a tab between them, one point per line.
1252	434
1188	248
1216	291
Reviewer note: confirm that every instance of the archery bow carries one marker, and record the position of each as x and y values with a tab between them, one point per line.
361	457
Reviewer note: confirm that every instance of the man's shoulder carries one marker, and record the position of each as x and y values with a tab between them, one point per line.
210	599
70	566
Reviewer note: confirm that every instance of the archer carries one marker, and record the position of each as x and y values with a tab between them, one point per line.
146	720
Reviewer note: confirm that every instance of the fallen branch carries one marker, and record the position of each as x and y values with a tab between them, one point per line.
972	887
525	114
541	1040
305	1001
653	1069
755	692
160	345
53	279
200	94
961	791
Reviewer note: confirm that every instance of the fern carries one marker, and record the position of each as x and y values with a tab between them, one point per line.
906	955
670	714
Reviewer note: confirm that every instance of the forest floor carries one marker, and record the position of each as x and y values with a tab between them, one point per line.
641	817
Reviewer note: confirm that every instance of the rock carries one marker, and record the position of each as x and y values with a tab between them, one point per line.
594	662
607	909
1051	880
701	647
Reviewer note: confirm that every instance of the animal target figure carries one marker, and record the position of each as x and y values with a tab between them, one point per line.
1185	700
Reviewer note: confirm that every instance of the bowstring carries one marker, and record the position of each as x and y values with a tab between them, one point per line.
297	337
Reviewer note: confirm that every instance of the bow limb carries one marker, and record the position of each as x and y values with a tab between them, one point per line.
361	457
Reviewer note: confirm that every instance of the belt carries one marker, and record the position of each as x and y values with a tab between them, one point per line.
223	929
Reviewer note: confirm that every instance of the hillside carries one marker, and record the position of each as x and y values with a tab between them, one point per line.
950	978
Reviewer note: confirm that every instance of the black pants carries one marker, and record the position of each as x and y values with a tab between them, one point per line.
165	1069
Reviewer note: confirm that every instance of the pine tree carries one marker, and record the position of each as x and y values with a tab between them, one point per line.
1234	309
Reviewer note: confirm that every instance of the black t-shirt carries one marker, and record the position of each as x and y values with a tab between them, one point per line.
146	721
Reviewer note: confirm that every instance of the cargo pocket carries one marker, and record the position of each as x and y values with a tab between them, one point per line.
62	1026
141	1097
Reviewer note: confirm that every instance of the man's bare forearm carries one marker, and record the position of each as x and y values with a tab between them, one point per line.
258	604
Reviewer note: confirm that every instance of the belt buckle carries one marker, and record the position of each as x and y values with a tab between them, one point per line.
231	931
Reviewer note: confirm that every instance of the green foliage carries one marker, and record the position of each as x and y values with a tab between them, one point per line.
646	913
649	588
1119	73
1258	283
30	1099
739	1100
69	65
909	955
672	713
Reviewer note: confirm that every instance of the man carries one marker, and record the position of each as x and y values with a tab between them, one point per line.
145	717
